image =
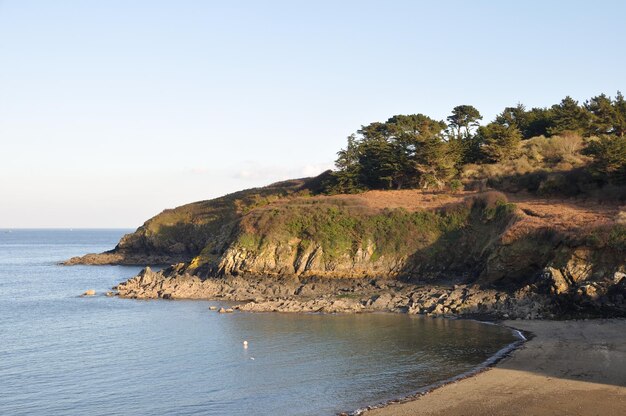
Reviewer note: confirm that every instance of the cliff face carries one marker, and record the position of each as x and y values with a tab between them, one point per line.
331	237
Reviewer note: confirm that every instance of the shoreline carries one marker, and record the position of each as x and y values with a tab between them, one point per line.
289	294
501	354
567	367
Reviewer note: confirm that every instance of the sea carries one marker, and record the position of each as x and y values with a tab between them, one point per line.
64	354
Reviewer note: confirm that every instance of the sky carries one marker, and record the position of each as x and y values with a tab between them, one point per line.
111	111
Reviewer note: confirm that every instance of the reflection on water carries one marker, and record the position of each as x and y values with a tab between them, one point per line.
63	354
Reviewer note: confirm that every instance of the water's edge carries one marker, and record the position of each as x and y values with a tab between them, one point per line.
523	337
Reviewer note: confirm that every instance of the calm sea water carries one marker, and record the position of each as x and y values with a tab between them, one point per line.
61	354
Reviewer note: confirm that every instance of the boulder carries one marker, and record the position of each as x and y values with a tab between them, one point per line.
382	302
558	282
89	292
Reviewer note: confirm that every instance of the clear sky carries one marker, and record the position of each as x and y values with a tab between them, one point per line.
111	111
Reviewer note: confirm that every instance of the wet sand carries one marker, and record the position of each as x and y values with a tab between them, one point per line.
567	368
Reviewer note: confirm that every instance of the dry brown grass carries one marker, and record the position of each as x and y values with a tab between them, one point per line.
410	200
557	153
568	217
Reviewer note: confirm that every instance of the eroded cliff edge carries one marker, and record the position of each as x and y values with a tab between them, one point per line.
284	248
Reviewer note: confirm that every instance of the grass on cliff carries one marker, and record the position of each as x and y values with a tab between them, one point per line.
340	228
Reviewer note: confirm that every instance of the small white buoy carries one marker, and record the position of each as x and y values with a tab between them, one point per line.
252	358
245	344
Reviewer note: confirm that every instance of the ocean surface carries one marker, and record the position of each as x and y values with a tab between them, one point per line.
62	354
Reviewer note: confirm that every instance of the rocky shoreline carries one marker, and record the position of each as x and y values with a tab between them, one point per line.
292	294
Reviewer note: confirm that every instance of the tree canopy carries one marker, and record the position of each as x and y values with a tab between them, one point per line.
415	150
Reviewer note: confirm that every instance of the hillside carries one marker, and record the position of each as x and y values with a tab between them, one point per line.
572	249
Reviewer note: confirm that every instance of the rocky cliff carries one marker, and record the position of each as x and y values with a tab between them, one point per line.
570	253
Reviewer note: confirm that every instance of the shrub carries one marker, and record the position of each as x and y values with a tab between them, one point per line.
609	157
456	185
611	237
565	147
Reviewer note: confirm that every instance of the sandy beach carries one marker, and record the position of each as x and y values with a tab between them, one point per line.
567	368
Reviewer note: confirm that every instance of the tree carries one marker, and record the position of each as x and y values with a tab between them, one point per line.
379	164
463	120
609	157
402	152
461	125
410	134
348	167
499	142
374	158
513	117
620	115
436	162
568	116
538	122
603	115
412	127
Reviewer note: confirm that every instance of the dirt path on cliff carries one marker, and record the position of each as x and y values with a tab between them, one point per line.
568	368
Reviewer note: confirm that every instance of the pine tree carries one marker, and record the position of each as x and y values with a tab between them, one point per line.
568	116
500	142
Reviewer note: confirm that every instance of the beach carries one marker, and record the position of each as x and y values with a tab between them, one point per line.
566	368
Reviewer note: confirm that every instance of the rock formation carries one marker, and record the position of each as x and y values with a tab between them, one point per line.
281	248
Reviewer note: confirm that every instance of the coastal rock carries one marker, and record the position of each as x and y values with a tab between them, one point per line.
267	294
557	281
382	302
89	292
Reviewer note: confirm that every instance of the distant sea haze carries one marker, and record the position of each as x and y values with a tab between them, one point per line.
63	354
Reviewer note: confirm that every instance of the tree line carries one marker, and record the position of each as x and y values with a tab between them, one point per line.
411	151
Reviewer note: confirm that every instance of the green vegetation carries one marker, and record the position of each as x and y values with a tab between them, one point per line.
608	237
499	142
609	155
416	151
340	229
